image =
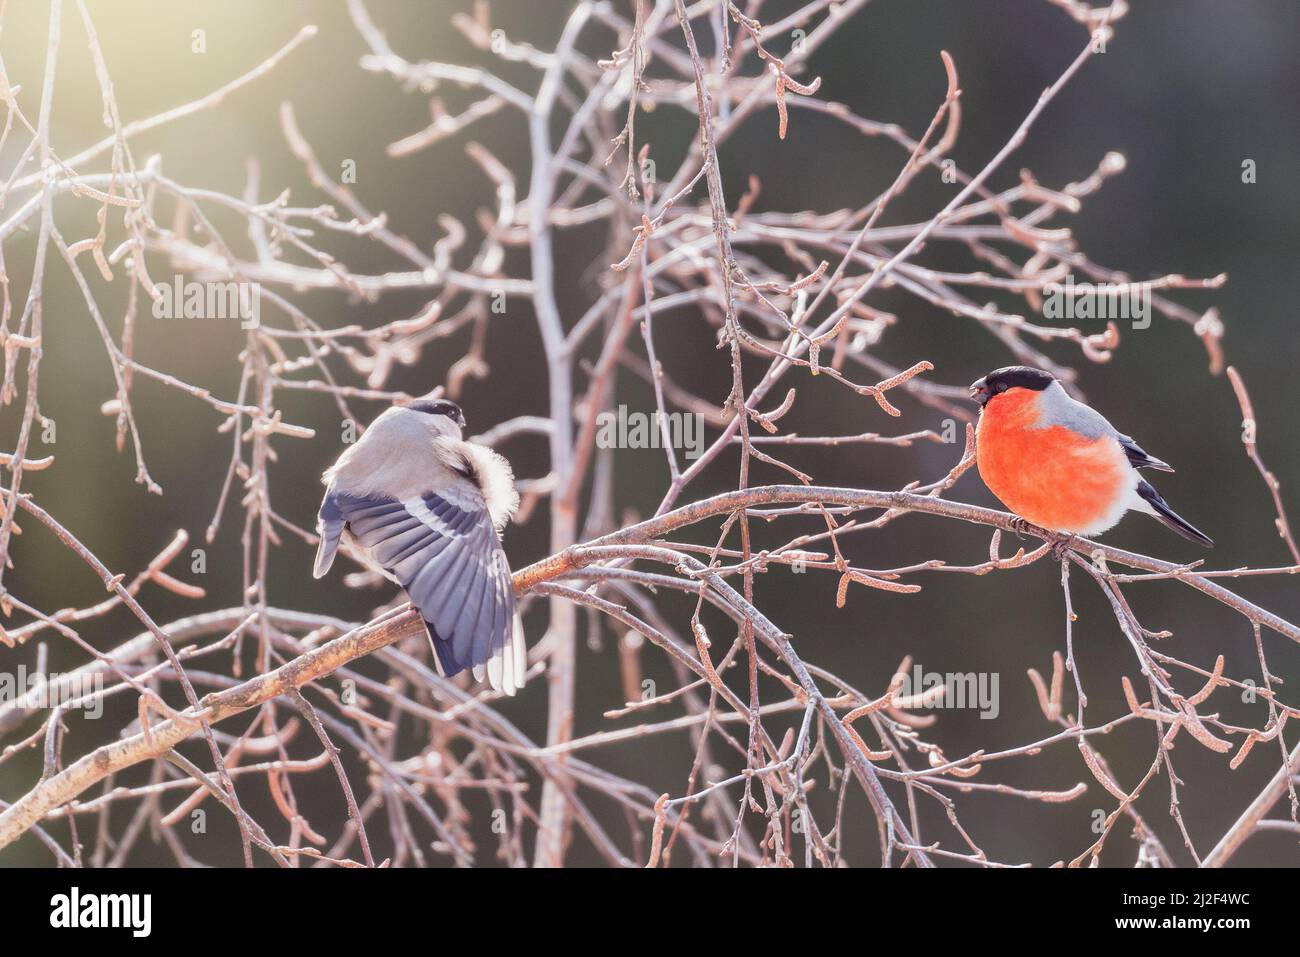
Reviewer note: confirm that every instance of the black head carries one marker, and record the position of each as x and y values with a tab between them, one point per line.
1009	377
439	407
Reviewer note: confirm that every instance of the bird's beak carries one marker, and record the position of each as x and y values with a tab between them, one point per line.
979	390
460	420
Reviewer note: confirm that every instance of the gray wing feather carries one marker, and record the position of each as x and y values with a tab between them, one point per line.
477	599
474	613
447	556
500	619
441	592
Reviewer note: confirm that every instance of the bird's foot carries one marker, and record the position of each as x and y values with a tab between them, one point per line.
1062	545
1021	527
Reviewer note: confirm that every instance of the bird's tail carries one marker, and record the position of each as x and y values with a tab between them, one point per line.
1161	510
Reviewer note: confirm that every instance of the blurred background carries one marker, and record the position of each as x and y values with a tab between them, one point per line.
1185	92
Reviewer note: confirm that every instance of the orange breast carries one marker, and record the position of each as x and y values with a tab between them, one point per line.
1050	476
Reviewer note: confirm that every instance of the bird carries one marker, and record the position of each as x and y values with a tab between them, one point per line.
426	509
1057	463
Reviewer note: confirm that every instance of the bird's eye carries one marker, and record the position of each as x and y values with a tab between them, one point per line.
1000	387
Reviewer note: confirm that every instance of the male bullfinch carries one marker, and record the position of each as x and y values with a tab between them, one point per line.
426	509
1059	464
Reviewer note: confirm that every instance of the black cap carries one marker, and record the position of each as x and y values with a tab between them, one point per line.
439	407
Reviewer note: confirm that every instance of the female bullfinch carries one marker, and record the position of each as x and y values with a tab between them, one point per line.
426	508
1059	464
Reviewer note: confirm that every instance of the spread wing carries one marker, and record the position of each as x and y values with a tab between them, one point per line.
443	549
1138	458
